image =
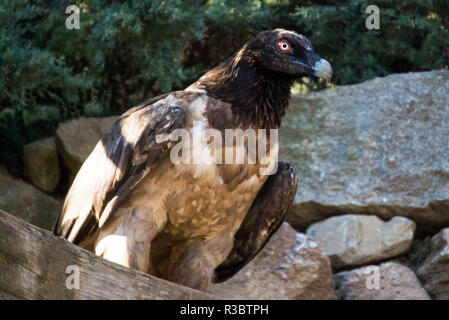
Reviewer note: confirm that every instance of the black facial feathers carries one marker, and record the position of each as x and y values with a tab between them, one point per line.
256	80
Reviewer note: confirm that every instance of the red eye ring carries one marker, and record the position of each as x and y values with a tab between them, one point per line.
283	46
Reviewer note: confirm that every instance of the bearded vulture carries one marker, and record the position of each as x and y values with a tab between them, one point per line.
192	223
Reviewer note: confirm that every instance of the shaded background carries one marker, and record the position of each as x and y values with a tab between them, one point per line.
126	52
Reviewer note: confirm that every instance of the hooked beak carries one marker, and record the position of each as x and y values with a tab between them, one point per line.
322	69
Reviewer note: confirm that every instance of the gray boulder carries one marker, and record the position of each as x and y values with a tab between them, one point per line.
291	266
389	281
380	147
434	271
356	239
40	160
77	138
27	202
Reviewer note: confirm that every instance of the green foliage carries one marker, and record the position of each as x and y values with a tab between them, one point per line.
32	76
413	36
123	53
126	52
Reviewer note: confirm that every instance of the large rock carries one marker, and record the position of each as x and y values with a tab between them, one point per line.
380	147
357	239
77	138
41	163
291	266
434	271
389	281
27	202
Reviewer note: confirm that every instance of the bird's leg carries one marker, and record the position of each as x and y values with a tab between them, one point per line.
127	240
193	264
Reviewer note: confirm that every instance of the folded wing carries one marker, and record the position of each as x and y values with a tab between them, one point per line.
117	164
262	220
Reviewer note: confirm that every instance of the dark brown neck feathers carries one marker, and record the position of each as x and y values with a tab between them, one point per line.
258	97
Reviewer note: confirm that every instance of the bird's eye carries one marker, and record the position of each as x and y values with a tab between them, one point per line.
283	46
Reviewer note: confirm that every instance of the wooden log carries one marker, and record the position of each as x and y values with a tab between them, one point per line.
33	265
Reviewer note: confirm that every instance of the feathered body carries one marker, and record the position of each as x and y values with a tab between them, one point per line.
188	223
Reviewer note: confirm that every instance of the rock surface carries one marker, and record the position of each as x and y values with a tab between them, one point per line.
356	239
380	147
27	202
41	163
77	138
291	266
434	271
393	282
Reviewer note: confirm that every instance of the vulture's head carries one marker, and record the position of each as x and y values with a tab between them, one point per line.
256	80
286	52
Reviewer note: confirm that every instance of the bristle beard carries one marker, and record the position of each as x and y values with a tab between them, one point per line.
259	98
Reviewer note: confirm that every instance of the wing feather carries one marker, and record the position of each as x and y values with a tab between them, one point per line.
120	160
262	220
